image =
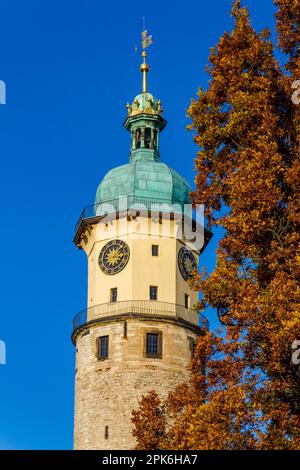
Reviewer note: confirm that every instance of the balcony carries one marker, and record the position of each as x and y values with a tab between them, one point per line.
140	308
129	202
94	213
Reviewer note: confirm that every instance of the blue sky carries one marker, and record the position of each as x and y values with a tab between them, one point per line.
70	68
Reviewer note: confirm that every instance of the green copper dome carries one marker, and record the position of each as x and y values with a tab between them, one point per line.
144	182
145	103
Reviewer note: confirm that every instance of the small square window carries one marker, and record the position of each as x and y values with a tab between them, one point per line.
114	294
154	250
186	301
154	344
153	292
103	346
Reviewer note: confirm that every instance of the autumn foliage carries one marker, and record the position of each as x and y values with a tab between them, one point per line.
248	176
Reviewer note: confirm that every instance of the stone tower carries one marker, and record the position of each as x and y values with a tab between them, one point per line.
139	328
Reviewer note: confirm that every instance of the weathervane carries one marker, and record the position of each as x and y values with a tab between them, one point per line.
146	41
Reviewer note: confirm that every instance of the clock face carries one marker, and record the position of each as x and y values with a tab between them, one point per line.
187	263
114	256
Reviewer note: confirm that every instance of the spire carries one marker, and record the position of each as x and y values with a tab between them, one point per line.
144	69
144	120
146	41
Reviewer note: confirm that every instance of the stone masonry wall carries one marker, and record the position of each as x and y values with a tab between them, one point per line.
106	391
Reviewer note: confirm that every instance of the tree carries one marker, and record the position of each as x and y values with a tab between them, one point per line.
149	437
210	411
247	129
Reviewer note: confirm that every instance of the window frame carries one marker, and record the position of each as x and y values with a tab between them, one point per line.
159	353
99	348
192	346
150	293
113	290
155	248
138	138
147	138
187	301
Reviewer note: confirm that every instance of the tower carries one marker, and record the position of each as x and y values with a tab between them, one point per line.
139	328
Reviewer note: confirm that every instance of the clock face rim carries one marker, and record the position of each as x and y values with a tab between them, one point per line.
183	250
110	271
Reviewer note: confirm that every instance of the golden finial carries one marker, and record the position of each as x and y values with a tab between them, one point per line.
146	41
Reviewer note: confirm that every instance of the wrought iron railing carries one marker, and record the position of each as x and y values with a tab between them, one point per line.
134	203
140	307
